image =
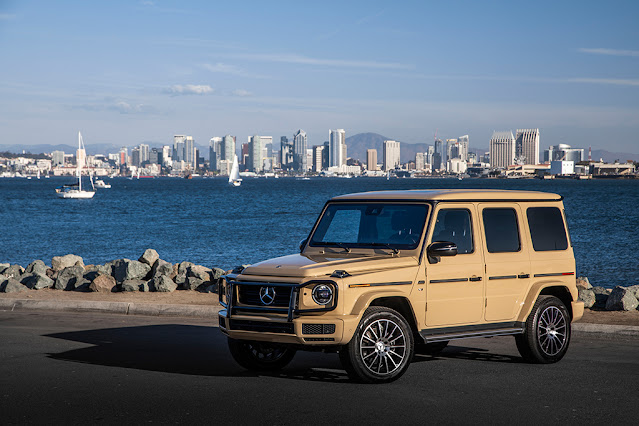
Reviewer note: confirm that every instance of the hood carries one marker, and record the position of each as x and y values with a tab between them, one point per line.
297	265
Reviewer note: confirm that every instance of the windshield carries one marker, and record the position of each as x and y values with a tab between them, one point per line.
368	225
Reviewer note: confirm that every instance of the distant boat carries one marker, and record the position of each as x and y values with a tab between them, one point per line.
75	190
234	176
99	183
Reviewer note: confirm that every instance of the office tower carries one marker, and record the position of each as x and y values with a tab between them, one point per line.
178	147
57	158
267	153
419	161
135	156
462	142
228	148
286	153
215	153
154	156
318	155
390	155
371	159
326	156
336	140
166	155
189	151
299	151
502	149
451	147
123	156
527	145
255	153
439	156
144	153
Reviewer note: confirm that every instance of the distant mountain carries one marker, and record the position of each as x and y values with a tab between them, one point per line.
609	157
359	143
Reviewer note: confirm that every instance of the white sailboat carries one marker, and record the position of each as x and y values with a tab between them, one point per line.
234	176
75	190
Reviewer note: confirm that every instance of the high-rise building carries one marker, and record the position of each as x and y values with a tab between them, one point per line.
462	141
228	148
215	153
154	156
178	147
336	141
135	157
255	154
527	146
166	156
144	153
439	155
123	156
371	159
286	153
420	164
318	155
502	149
299	151
391	155
57	158
190	157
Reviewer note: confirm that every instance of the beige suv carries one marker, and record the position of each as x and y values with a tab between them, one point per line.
384	275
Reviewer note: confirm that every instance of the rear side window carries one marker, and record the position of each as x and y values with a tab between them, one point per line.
547	228
502	232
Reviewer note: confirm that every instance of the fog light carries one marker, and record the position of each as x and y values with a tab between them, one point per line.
322	294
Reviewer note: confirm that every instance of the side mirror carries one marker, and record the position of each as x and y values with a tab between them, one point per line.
303	244
441	248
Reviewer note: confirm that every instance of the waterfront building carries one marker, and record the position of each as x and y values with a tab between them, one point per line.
228	148
390	155
337	151
457	166
144	153
371	160
563	152
57	158
215	153
462	147
255	154
166	156
502	149
178	147
299	151
123	156
562	168
439	156
190	157
318	155
286	153
419	161
527	146
345	170
135	157
154	156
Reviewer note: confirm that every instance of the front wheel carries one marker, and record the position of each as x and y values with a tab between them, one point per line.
260	356
381	349
547	332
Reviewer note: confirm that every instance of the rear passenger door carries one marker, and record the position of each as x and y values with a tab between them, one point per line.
507	260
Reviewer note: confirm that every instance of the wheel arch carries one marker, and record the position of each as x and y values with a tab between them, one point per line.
402	305
559	290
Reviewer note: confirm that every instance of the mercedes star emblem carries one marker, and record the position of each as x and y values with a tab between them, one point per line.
267	295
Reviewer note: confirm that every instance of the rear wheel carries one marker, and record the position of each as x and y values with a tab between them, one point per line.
381	349
547	333
260	356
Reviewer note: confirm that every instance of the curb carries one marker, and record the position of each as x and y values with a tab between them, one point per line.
122	308
627	330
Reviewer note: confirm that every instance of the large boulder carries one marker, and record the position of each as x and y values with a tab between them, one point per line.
601	296
36	281
58	263
587	296
583	282
635	289
4	266
37	267
102	284
71	278
133	285
192	283
126	269
183	267
149	257
621	299
162	283
13	271
162	267
11	285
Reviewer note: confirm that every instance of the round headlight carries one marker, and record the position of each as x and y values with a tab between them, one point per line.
322	294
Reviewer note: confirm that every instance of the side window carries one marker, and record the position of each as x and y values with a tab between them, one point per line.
547	228
454	225
502	232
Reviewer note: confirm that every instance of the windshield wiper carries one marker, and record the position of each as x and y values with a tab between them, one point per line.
340	245
388	246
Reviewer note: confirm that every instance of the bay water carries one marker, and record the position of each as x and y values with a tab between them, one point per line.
209	223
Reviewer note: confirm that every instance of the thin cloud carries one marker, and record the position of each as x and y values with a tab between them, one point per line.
340	63
121	106
190	89
612	81
610	52
242	93
230	69
7	16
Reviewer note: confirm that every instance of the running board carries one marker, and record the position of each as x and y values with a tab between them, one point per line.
453	333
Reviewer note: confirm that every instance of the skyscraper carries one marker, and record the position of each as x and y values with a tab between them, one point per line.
463	147
178	147
391	155
439	157
371	159
189	151
318	154
419	161
286	153
527	145
144	153
336	140
299	151
502	149
255	153
215	153
228	148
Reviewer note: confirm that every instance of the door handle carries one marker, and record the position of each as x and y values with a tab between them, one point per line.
523	276
475	278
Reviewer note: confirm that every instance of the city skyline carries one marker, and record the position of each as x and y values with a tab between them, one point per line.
404	71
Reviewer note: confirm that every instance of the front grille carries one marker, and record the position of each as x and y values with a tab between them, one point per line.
318	328
262	326
250	295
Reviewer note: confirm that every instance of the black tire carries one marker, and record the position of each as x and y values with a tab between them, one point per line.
381	349
547	333
260	356
432	349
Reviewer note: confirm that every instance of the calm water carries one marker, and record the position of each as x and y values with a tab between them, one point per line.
207	222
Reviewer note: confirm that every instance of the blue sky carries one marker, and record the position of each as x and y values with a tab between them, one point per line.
125	72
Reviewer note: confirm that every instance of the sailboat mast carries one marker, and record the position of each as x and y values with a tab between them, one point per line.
78	159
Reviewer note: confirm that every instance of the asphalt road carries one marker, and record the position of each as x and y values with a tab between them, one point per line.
94	368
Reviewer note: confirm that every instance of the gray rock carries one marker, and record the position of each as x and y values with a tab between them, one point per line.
102	284
126	269
601	296
13	271
58	263
11	285
587	296
621	299
162	267
133	285
36	281
216	273
635	289
144	287
37	267
4	266
201	272
208	288
70	278
192	283
149	257
183	267
583	282
180	279
162	283
95	270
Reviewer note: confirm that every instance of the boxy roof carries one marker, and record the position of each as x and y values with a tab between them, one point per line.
451	195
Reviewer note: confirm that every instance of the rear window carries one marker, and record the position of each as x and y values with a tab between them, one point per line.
502	232
547	228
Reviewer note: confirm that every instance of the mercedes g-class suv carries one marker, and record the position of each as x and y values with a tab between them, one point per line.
383	275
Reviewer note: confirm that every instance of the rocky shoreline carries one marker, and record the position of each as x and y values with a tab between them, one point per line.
147	274
151	274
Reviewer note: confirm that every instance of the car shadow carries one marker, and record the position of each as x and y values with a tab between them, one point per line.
477	354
